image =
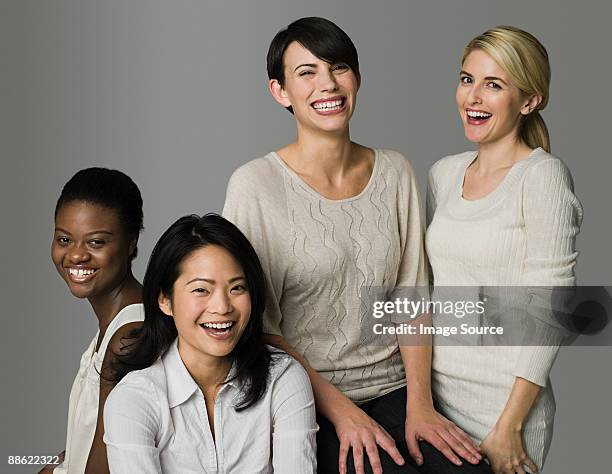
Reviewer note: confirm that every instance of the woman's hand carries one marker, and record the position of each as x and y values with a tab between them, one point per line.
356	430
504	449
423	422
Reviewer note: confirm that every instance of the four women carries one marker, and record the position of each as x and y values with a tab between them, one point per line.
329	218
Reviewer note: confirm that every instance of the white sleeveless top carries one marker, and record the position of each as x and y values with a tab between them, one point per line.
85	395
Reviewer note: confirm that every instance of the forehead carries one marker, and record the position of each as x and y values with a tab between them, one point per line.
86	216
210	262
479	63
296	54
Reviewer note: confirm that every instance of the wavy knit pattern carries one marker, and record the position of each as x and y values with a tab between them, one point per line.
318	254
521	234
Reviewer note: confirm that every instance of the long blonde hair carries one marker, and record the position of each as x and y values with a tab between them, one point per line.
525	60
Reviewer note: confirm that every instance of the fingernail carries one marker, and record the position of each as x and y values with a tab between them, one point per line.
419	461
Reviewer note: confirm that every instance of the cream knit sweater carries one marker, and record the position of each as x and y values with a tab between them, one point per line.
521	234
319	254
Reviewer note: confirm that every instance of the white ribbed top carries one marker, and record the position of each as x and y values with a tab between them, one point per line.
521	234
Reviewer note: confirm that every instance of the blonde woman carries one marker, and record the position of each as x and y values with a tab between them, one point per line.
504	215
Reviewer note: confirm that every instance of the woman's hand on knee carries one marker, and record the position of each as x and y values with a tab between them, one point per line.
425	423
505	452
357	431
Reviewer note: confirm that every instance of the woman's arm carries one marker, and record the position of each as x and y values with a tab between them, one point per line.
423	422
503	446
294	422
48	469
552	216
355	429
131	423
97	461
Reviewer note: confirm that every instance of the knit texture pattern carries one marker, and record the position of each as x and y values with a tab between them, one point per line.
318	255
521	234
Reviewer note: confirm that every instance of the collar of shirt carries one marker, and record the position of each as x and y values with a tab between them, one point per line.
181	385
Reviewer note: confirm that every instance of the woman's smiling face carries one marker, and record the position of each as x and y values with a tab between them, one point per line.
322	95
210	303
90	248
490	106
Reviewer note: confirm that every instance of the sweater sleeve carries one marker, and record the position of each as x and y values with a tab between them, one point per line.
247	208
431	202
412	279
552	216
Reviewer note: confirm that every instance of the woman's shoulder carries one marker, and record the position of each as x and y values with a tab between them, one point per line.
450	164
257	171
141	386
544	166
283	365
395	159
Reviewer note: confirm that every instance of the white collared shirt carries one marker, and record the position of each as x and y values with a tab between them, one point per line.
155	421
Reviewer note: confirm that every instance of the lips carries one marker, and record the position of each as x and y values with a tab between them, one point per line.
81	275
329	105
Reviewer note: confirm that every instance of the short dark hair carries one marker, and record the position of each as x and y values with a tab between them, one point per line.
188	234
321	37
108	188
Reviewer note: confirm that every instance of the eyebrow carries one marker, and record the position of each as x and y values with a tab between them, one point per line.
212	282
305	65
488	78
59	229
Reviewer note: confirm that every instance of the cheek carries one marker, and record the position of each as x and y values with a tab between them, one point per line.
460	97
57	256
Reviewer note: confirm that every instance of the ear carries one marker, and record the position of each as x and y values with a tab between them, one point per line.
279	93
132	246
531	104
164	304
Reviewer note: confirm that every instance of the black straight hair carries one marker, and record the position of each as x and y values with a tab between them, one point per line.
189	233
322	37
108	188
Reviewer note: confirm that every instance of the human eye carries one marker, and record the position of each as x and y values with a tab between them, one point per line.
493	85
340	67
201	291
305	72
239	289
62	240
97	243
465	79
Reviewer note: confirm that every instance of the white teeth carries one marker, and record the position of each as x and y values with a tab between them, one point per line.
329	105
80	272
218	325
475	114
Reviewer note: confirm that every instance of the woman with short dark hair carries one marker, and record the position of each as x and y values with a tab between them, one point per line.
330	218
98	218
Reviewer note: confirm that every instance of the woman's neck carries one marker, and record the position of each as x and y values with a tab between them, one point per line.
502	153
106	307
314	153
208	371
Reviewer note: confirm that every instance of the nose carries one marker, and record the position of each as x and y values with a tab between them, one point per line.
327	81
474	96
219	303
78	254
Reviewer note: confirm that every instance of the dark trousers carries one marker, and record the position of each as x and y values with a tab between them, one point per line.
389	411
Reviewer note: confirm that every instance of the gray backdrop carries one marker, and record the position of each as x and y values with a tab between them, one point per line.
174	94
